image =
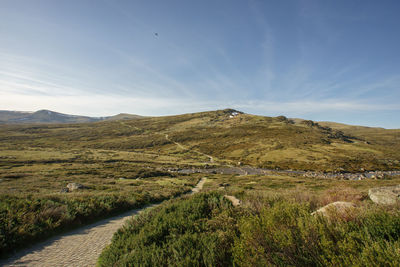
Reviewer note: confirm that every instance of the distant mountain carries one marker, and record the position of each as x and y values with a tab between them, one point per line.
48	116
123	116
6	115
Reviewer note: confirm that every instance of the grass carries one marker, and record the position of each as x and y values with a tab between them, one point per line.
32	206
271	142
284	184
124	165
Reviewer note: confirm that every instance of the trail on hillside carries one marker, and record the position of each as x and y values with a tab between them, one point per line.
189	149
80	247
199	186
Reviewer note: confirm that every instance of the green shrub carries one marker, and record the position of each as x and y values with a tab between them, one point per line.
195	232
287	235
26	220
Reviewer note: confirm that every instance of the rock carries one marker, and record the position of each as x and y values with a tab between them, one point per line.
387	195
338	207
235	202
74	186
64	190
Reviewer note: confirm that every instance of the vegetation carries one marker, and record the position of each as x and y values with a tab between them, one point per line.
125	164
192	232
33	206
253	140
206	230
285	234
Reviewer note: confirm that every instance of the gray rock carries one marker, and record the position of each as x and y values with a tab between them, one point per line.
387	195
75	186
64	190
338	207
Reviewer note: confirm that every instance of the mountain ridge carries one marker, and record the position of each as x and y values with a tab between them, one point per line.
48	116
39	116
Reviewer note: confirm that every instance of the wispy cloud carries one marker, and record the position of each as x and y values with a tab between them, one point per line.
276	58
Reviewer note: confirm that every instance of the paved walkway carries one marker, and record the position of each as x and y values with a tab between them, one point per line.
80	247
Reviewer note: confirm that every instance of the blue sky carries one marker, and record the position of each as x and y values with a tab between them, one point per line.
322	60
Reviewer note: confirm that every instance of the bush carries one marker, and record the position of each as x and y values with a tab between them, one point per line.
26	220
205	230
287	235
193	232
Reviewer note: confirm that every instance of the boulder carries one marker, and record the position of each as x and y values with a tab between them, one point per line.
387	195
74	186
338	207
235	202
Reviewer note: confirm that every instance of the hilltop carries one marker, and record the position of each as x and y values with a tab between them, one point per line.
230	137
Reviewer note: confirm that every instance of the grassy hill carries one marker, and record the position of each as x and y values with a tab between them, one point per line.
123	164
228	136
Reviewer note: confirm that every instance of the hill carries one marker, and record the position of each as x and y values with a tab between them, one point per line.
228	137
123	116
48	116
124	164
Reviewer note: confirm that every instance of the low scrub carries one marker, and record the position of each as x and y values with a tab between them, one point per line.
24	220
206	230
192	232
285	234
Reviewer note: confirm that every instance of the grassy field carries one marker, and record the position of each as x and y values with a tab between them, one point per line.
269	142
124	165
33	207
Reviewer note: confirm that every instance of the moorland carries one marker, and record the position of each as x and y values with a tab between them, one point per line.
125	164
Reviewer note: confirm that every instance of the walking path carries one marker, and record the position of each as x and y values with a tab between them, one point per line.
185	148
199	186
80	247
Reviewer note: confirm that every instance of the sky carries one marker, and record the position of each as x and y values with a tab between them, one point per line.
325	60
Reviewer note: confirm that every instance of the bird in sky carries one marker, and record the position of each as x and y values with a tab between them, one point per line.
156	34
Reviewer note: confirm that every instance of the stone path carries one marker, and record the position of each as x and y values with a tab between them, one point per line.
80	247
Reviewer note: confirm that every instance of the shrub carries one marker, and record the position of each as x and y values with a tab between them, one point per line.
192	232
287	235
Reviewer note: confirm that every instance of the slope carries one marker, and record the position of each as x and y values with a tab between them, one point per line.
228	136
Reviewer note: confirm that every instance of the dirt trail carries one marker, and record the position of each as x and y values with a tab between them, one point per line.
185	148
80	247
199	186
